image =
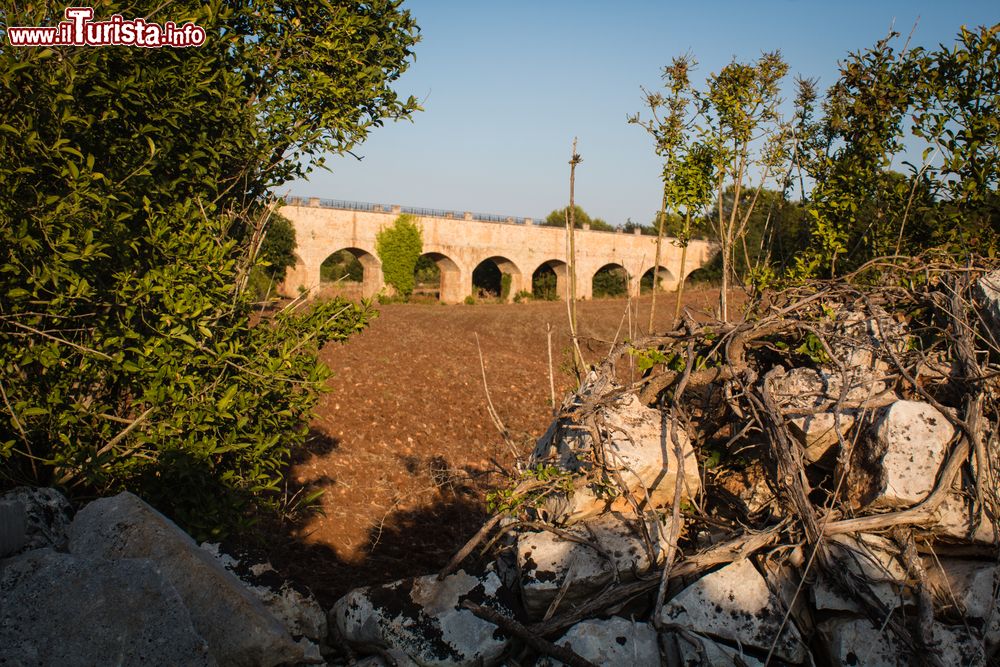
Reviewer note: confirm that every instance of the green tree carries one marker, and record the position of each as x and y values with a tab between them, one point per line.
399	247
557	218
741	109
855	208
277	255
277	250
646	230
341	265
133	204
884	99
957	111
671	117
689	187
776	234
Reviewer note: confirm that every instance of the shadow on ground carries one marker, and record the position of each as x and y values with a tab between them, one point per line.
405	543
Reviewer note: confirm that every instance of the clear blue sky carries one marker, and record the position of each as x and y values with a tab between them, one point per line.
507	85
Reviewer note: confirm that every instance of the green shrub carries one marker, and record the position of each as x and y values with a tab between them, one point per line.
342	265
610	282
399	248
427	272
505	282
133	204
522	295
544	286
470	300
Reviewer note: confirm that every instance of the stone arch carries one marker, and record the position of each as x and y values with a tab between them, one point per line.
668	281
487	276
349	282
548	281
449	288
610	280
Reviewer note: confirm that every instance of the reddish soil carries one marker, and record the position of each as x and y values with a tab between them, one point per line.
403	444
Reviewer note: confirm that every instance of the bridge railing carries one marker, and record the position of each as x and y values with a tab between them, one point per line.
371	207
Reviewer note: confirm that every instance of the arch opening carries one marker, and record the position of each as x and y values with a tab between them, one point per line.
666	279
548	281
610	281
352	273
495	278
436	276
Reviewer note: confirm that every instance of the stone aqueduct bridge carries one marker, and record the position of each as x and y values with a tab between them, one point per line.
459	242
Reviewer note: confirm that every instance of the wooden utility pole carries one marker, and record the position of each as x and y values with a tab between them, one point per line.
571	259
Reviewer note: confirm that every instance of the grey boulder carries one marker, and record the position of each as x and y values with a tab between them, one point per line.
237	627
32	518
57	609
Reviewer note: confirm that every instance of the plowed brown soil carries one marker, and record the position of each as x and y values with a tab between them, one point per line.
403	444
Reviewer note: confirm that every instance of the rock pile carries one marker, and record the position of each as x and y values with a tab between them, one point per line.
815	485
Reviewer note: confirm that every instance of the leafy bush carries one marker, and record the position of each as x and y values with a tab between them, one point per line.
557	218
522	295
133	187
399	248
610	282
544	286
277	254
427	272
341	265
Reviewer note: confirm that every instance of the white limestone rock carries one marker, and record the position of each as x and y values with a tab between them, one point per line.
988	293
640	445
818	433
615	642
697	650
856	642
782	571
806	391
238	628
299	612
862	342
955	522
897	465
735	604
967	590
545	560
872	558
424	619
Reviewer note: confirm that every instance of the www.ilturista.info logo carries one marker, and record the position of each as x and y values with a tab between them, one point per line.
79	30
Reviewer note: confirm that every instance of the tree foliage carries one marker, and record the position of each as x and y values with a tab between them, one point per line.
133	206
854	152
885	100
399	247
742	109
277	249
277	255
610	281
557	218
